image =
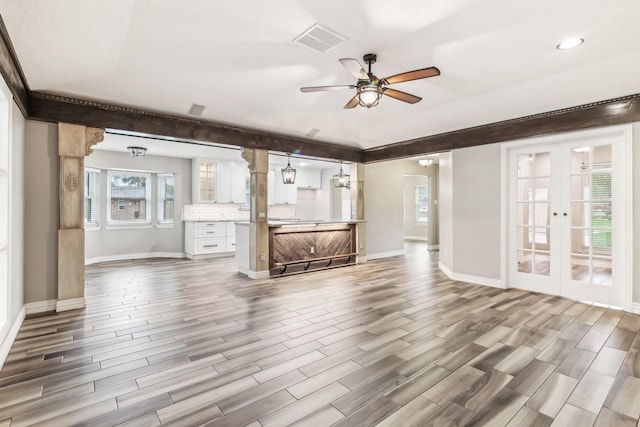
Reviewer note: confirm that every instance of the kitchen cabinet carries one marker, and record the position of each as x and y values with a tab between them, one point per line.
309	178
284	193
219	181
205	239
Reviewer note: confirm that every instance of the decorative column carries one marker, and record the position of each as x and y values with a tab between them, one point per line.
258	226
356	184
74	143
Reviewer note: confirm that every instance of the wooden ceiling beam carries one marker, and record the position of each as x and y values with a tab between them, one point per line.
11	71
603	113
55	108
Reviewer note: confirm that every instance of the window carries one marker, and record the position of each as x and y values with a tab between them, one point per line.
421	200
166	192
129	197
91	197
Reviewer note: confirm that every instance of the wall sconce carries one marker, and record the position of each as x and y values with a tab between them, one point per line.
288	173
137	151
341	178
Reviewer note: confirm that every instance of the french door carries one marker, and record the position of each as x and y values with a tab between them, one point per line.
568	220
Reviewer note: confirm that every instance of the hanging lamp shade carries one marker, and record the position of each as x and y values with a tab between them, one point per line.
288	173
341	178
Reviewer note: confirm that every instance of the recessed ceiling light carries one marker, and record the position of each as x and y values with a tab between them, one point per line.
582	149
570	43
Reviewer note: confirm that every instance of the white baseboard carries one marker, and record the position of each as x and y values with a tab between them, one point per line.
40	306
635	308
7	341
70	304
433	247
419	238
380	255
476	280
446	270
125	257
258	274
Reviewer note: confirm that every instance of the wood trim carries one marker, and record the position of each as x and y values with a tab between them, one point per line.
12	72
57	108
621	110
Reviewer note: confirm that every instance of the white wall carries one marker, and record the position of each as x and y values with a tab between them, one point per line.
476	211
41	218
636	212
383	207
111	243
16	232
445	210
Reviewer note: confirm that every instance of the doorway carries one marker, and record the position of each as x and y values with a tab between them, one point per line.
569	225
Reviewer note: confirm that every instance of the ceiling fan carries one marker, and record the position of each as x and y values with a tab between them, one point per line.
370	88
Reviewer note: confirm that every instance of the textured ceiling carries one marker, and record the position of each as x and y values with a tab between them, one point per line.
497	57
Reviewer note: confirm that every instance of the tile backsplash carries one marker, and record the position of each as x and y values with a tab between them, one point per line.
231	211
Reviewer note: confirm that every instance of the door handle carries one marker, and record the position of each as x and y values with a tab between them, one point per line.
564	214
555	214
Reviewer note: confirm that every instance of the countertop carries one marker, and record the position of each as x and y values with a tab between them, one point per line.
302	222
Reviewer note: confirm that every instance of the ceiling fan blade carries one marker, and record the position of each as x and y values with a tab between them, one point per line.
323	88
412	75
353	103
354	67
402	96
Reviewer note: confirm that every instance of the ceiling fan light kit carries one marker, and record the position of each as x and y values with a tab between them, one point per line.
370	88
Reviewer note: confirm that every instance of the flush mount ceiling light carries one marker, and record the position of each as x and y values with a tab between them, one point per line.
288	173
137	151
582	149
341	178
570	43
425	162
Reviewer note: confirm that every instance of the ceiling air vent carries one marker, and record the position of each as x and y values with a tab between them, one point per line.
196	110
319	38
313	132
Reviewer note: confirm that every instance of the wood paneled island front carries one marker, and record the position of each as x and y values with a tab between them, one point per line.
296	247
301	246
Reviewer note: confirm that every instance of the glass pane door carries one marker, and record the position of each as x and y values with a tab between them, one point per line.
533	213
591	215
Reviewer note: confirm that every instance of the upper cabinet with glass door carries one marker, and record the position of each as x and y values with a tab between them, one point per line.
218	181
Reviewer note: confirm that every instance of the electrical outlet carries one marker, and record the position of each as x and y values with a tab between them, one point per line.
312	250
262	258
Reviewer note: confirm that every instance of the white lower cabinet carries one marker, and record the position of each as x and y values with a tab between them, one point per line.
215	238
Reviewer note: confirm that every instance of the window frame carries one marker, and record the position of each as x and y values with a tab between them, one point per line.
146	222
161	198
95	199
417	204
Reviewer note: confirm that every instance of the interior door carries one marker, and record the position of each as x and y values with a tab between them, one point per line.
534	235
567	219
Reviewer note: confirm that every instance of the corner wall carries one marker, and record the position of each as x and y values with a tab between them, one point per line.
41	219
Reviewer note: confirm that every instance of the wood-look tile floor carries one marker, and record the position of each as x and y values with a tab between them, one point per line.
390	343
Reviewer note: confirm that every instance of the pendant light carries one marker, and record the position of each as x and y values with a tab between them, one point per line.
288	173
341	178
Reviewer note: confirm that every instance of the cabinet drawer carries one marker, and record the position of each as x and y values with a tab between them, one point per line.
219	230
210	246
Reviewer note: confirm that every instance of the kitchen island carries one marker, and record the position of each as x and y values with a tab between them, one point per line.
301	246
